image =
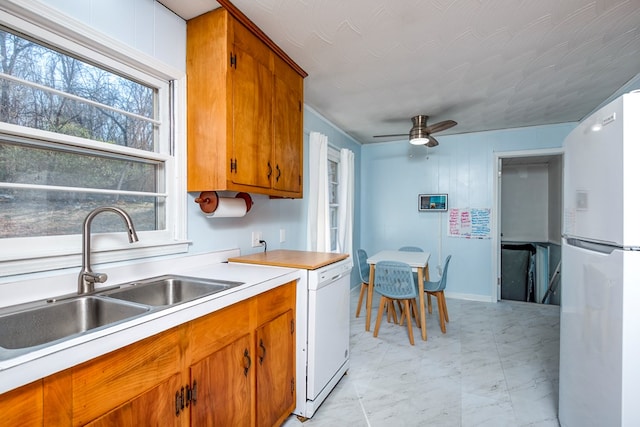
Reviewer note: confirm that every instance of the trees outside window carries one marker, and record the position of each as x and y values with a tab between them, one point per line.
77	133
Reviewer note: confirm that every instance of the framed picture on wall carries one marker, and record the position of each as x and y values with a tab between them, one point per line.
433	202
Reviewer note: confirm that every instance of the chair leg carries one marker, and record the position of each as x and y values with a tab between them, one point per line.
440	297
363	291
400	310
409	326
391	312
416	313
444	305
383	302
429	303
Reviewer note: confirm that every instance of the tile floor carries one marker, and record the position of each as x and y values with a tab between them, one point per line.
497	365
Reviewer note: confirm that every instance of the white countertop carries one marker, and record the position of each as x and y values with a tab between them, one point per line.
33	365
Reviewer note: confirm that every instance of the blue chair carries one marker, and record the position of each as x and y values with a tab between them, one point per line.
394	282
363	269
437	290
411	249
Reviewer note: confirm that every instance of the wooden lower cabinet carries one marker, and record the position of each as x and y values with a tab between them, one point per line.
275	371
233	367
22	406
224	386
151	408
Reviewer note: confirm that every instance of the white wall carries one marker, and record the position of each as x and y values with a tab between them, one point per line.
393	174
142	24
525	203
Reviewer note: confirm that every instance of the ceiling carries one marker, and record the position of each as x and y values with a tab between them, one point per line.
487	64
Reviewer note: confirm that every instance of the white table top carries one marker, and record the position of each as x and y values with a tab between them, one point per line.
414	259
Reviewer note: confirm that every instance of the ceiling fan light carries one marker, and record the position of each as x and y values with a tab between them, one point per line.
418	135
418	141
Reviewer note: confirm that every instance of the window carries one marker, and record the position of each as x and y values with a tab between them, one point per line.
333	166
82	128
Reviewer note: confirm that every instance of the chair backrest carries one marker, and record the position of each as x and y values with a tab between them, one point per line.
395	280
410	249
363	267
443	278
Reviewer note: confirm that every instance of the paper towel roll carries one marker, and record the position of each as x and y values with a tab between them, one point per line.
229	207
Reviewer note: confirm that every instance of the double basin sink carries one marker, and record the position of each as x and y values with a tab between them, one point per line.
57	320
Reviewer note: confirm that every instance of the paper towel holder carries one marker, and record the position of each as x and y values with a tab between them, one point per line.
208	201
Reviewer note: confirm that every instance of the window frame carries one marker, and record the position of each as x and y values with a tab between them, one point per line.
333	156
36	254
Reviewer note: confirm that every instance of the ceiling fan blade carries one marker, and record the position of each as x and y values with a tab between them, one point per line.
440	126
432	142
387	136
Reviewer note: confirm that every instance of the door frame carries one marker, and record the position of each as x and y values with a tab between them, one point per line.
497	203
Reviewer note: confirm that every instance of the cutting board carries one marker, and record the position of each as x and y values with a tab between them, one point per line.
291	259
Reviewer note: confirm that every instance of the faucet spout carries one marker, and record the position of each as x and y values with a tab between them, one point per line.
87	278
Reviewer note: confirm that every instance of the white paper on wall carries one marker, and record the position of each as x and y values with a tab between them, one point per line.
470	223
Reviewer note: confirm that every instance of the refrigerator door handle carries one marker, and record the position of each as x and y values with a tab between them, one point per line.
591	246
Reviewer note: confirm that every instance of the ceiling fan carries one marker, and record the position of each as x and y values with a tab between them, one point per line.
420	133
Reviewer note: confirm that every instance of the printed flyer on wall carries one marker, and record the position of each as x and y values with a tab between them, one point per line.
470	223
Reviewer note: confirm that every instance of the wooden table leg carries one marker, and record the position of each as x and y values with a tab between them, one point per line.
372	270
423	317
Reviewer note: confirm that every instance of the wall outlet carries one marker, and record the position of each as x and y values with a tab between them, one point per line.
283	235
256	236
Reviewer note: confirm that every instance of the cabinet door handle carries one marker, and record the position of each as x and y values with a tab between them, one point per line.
179	401
270	170
247	362
187	398
263	351
194	392
279	173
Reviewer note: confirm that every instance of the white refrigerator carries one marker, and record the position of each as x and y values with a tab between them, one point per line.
599	380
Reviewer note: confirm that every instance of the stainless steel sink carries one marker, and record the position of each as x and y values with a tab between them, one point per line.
62	319
169	290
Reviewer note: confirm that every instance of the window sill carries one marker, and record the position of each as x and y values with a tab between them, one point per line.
33	264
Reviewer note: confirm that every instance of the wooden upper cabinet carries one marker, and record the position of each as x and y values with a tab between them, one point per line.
252	109
287	127
244	111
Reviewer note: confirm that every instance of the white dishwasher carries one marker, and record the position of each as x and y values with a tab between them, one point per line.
327	331
322	320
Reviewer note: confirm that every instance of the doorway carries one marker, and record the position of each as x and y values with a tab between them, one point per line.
528	195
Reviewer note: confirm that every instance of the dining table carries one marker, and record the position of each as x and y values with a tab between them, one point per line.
419	261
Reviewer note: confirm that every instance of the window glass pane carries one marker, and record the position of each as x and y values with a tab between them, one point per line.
333	216
41	211
61	213
85	113
334	239
333	171
24	164
333	182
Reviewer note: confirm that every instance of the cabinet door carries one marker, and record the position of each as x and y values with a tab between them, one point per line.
287	122
275	370
252	94
23	406
223	395
155	407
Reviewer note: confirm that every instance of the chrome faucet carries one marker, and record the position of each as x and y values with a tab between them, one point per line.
87	278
